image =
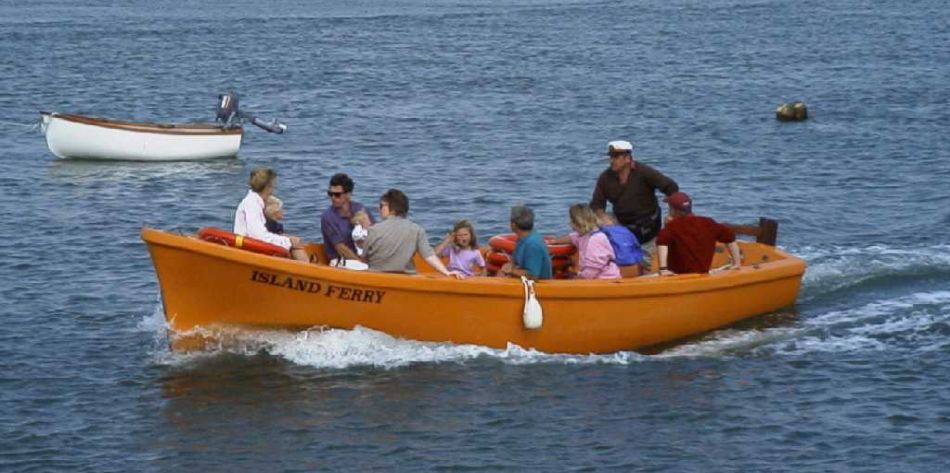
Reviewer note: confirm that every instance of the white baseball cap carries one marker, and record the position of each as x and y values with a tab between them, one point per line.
619	146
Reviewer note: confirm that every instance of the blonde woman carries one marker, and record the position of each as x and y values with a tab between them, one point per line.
249	218
595	256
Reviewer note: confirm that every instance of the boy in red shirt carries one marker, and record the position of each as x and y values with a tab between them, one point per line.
687	243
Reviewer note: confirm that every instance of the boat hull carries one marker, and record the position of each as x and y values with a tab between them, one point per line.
206	286
79	137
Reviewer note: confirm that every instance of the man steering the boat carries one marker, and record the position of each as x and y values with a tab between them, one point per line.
335	222
688	242
630	187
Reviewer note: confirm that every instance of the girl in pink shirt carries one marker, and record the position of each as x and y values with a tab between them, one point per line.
595	256
461	246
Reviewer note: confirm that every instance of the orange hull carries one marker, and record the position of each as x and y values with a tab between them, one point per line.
205	285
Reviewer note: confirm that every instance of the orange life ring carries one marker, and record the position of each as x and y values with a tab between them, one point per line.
226	238
499	258
558	272
506	242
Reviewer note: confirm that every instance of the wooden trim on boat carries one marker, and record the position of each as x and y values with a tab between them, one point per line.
159	128
765	232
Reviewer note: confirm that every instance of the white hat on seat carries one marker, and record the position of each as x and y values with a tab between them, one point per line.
619	146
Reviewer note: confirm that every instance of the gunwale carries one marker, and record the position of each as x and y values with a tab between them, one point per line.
572	289
188	129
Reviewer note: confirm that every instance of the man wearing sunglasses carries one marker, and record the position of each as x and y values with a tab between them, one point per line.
631	187
335	221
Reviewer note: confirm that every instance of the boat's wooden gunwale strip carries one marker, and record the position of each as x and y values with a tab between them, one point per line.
765	232
191	129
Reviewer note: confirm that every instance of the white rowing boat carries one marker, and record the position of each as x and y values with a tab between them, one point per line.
80	137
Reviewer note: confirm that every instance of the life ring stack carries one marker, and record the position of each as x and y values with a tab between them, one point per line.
502	246
226	238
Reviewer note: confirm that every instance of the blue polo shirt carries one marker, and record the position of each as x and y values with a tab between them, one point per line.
531	255
338	229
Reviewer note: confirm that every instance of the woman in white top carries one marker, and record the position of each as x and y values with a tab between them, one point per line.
249	218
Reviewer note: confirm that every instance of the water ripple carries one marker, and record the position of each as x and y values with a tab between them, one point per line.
471	106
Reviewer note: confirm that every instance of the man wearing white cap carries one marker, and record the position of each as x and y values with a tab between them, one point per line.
631	188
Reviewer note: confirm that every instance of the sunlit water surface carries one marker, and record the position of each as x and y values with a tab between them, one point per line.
470	107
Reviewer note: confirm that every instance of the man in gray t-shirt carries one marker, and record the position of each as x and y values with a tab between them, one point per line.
390	244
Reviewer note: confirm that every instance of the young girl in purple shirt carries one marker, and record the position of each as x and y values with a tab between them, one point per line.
461	246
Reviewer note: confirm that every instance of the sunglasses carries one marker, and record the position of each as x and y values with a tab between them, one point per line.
335	194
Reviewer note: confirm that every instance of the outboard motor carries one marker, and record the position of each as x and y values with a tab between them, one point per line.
231	115
227	109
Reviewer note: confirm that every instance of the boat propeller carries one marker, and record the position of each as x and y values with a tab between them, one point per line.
231	115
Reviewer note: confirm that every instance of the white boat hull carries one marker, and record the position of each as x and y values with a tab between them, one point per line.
78	137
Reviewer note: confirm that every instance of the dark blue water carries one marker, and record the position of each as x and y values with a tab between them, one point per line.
470	107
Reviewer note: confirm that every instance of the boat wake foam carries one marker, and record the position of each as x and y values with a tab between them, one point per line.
834	269
918	323
360	347
333	348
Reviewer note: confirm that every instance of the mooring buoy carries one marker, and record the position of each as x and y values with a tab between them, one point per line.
791	112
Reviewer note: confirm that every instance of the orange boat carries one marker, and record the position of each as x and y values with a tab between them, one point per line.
207	286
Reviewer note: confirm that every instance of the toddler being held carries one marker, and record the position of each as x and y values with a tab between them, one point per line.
361	223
